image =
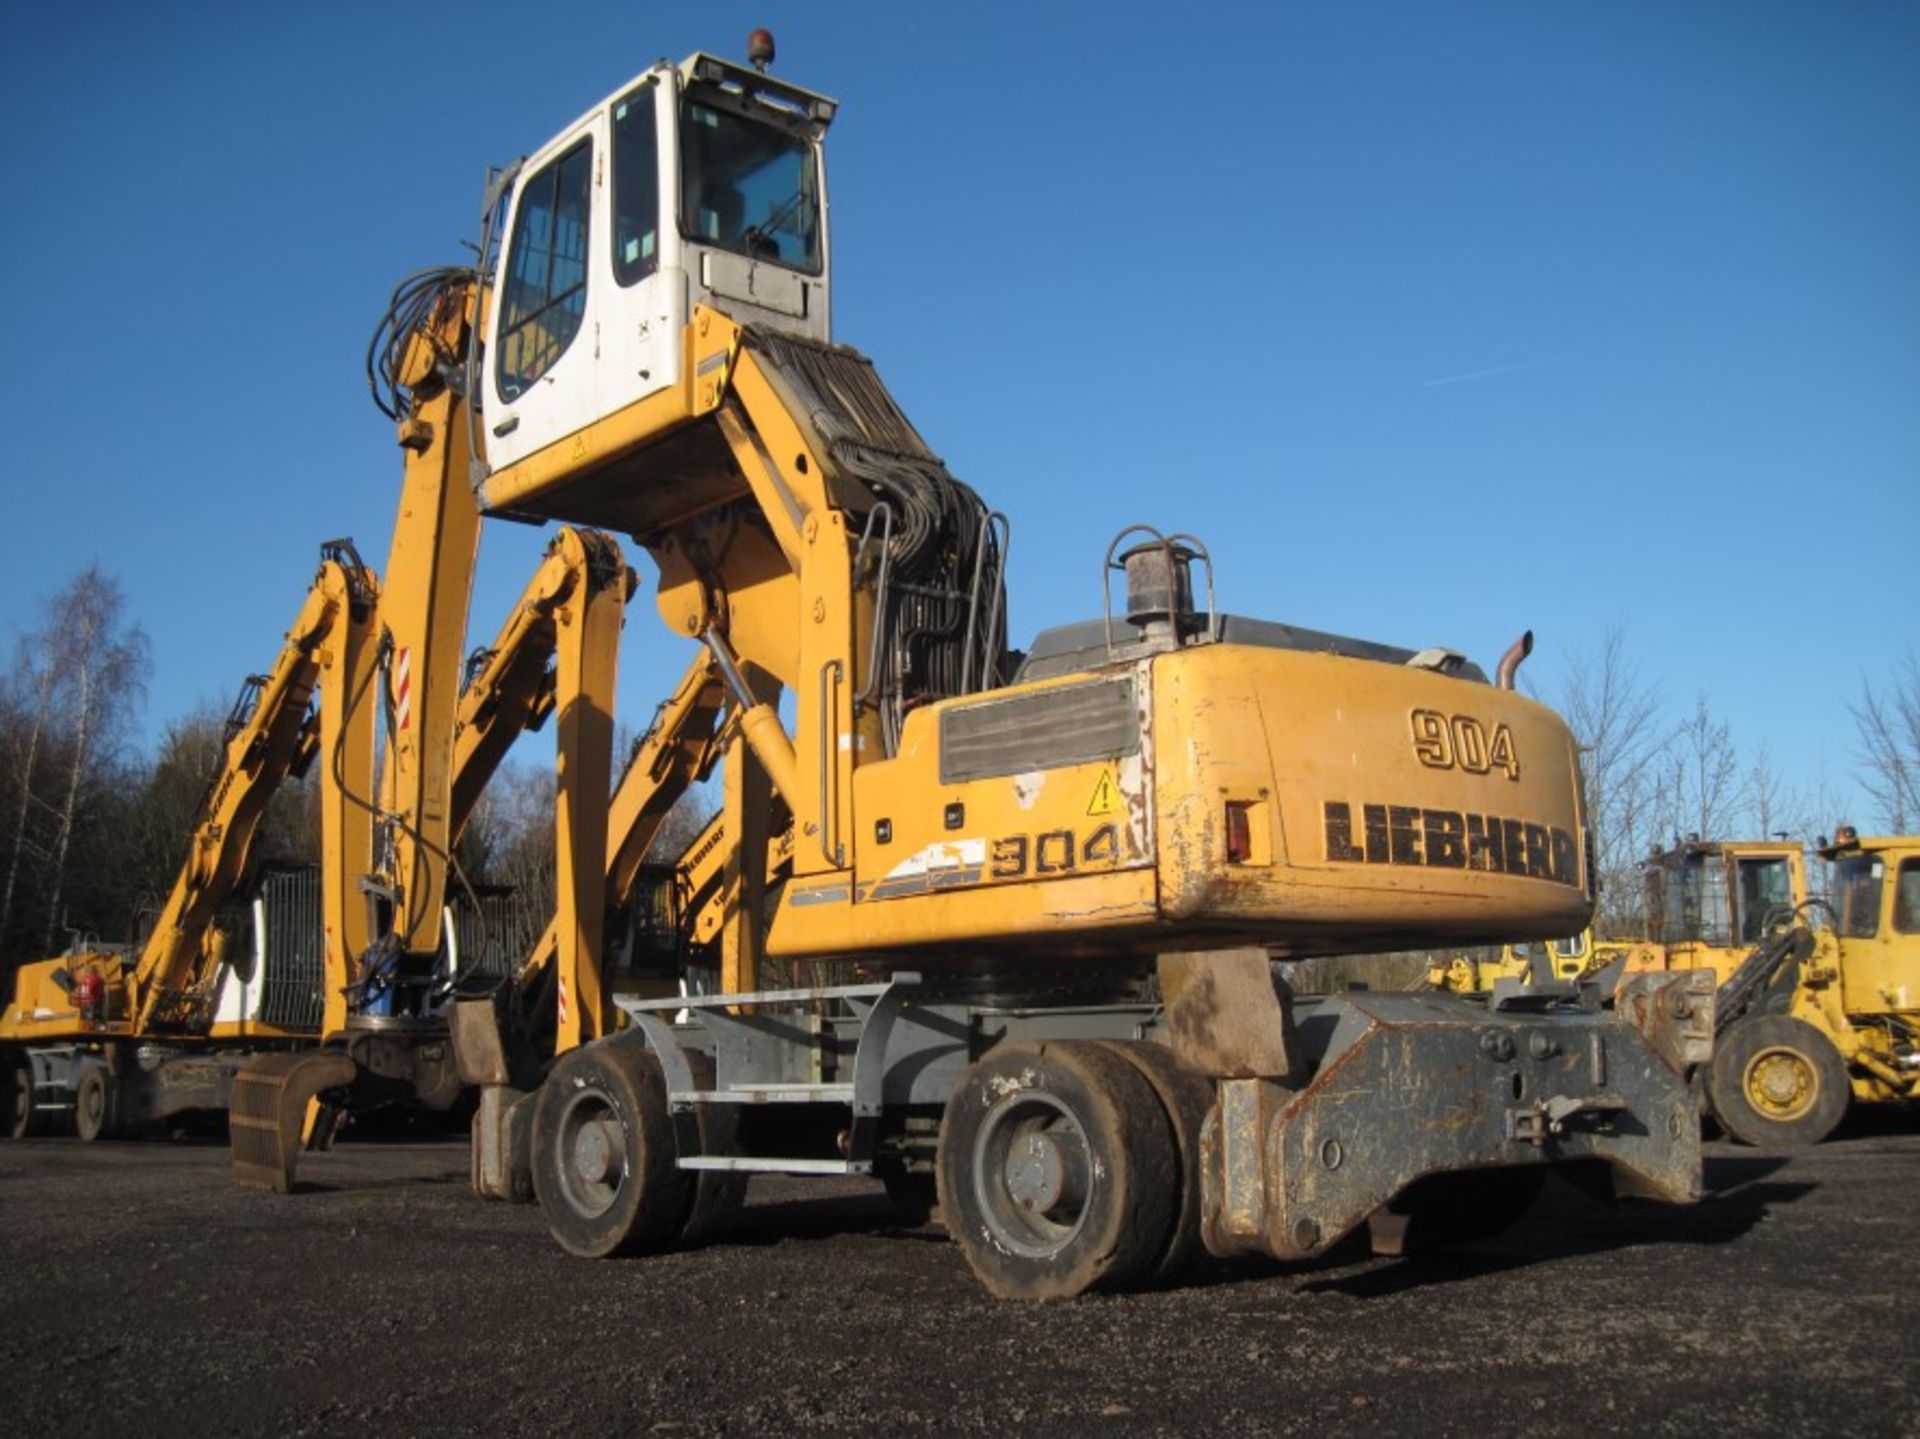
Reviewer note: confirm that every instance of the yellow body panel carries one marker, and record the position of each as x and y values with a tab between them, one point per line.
1353	839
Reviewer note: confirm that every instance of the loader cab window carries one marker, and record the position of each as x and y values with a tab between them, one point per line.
1693	901
636	187
1766	892
1856	895
546	271
749	187
1906	898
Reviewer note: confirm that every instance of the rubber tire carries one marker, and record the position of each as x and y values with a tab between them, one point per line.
1736	1050
650	1202
96	1106
23	1120
1188	1096
1128	1210
715	1197
1464	1206
16	1096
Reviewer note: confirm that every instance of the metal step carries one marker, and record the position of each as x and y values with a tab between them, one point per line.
766	1094
738	1164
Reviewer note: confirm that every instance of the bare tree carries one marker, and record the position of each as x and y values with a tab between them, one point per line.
75	689
1887	725
1615	717
1770	806
1699	778
29	695
102	659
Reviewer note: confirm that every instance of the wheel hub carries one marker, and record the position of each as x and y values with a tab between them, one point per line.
1781	1084
1036	1173
593	1153
1033	1173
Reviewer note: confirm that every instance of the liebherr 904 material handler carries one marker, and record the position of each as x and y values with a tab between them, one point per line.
1013	850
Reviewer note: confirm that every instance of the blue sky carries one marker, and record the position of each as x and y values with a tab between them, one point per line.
1437	322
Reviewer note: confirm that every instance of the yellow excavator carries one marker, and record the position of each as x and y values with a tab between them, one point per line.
114	1040
553	654
1058	878
1819	999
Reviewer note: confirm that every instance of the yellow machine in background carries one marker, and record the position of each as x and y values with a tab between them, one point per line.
115	1040
1529	962
1820	998
71	1035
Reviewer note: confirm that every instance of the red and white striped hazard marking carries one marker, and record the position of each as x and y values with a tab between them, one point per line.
403	687
561	997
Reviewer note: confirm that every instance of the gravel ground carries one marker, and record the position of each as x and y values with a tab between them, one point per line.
145	1296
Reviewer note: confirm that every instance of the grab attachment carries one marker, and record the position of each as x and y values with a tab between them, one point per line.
269	1109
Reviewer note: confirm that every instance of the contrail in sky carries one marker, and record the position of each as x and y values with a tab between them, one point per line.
1483	374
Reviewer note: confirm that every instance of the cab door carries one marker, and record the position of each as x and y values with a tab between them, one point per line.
643	296
540	365
1877	900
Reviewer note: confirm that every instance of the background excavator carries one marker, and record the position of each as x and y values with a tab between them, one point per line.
116	1039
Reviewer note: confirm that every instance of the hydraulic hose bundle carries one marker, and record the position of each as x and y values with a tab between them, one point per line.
934	553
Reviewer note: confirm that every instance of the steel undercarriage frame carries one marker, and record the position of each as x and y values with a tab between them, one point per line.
1401	1086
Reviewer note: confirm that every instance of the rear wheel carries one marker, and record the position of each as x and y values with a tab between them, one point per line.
1057	1171
96	1105
1777	1083
1187	1096
603	1152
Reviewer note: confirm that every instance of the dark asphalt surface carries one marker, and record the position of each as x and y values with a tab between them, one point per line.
144	1296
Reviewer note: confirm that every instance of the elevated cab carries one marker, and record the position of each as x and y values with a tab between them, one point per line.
702	183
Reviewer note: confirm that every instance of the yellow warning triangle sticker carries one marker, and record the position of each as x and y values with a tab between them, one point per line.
1106	796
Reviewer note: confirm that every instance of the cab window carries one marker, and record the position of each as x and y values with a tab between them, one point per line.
546	274
1694	906
636	187
1766	892
749	187
1906	898
1856	895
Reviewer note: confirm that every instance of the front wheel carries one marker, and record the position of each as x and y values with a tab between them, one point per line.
1057	1171
604	1154
1777	1083
23	1120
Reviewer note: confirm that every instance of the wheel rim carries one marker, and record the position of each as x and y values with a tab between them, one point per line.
22	1101
1781	1084
592	1153
1033	1173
